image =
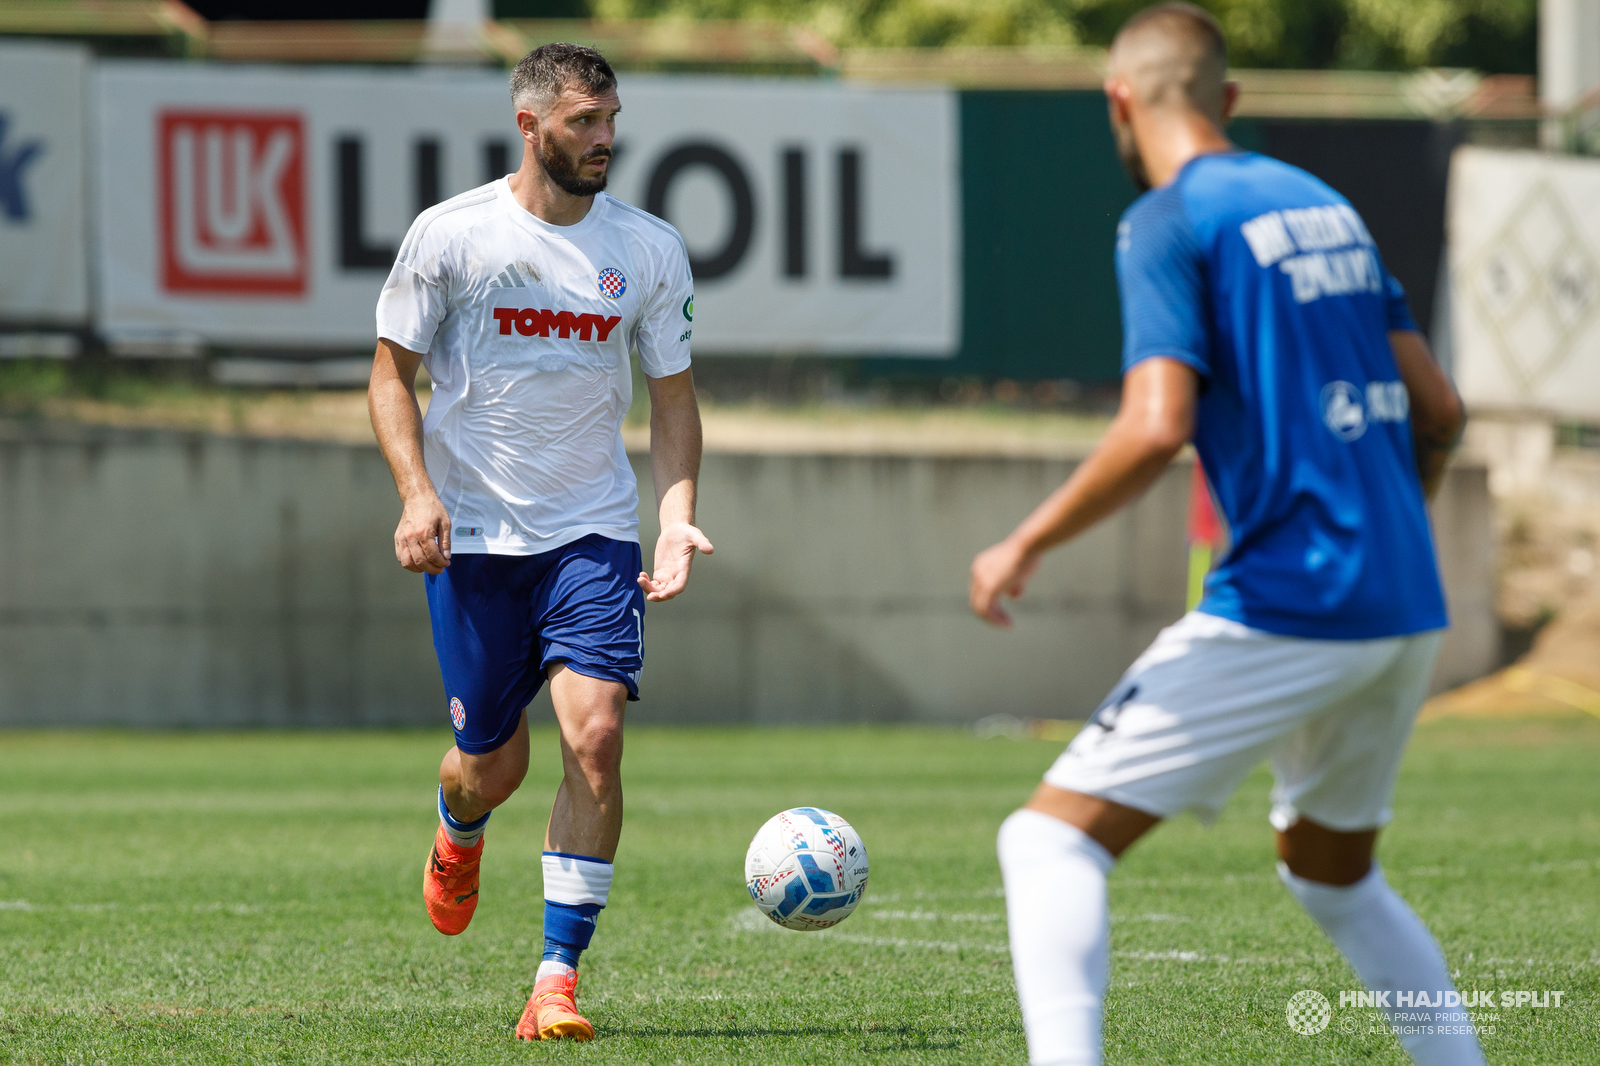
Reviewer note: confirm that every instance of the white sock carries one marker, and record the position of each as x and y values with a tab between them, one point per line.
552	966
1055	879
462	834
1391	951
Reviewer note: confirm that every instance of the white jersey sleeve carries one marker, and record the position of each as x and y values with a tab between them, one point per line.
666	321
416	295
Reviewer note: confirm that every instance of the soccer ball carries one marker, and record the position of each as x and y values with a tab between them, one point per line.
806	869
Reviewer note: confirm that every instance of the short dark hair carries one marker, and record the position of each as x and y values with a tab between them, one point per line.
1198	22
1171	53
549	70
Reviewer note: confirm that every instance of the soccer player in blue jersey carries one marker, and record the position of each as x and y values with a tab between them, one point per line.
1259	322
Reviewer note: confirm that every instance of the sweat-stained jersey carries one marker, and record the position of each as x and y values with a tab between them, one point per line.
1266	282
525	328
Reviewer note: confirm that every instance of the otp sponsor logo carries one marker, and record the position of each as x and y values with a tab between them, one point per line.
529	321
233	203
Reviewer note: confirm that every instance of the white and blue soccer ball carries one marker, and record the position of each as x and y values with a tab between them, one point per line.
806	869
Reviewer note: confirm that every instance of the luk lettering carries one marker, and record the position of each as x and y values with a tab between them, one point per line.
533	321
233	216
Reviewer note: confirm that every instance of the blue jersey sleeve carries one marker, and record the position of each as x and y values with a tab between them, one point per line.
1394	301
1162	277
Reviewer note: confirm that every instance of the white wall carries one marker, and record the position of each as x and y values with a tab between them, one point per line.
166	579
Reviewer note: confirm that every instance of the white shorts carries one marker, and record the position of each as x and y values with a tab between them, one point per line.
1211	698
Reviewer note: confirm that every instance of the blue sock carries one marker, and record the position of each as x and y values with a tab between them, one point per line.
463	834
567	930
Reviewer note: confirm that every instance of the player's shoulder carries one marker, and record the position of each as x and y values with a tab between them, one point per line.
657	234
1155	226
434	229
1247	183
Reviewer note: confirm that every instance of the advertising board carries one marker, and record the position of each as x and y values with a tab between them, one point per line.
43	271
1525	267
255	206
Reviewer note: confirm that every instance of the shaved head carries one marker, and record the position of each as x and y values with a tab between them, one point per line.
1172	55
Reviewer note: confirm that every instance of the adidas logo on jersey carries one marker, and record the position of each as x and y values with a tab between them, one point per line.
531	321
512	278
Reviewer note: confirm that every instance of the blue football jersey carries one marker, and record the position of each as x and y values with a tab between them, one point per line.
1266	282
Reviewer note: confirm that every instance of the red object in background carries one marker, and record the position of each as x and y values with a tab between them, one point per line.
233	203
1204	525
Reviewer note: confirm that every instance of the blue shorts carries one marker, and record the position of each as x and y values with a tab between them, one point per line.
500	621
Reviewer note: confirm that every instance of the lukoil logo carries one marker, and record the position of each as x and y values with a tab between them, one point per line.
233	214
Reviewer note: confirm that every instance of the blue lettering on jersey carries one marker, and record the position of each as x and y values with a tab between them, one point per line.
1267	283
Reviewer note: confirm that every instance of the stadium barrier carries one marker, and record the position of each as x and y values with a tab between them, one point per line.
260	207
163	579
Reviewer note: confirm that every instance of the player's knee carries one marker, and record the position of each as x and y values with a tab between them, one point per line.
486	787
1315	853
597	747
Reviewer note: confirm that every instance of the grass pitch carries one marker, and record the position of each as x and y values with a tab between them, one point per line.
255	898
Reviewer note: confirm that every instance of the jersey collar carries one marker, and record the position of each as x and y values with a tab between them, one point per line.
533	223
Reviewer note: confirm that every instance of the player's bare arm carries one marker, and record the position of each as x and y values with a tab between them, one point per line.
422	539
1154	422
1437	416
675	445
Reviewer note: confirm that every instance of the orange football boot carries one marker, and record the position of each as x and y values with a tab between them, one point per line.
450	883
552	1011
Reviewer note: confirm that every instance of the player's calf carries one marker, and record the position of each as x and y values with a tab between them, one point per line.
1391	949
471	785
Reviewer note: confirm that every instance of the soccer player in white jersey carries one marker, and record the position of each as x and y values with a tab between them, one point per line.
523	299
1258	322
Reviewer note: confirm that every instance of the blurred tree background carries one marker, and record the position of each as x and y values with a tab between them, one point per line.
1494	36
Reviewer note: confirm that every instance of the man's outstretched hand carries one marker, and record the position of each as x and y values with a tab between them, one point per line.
1002	569
675	551
422	539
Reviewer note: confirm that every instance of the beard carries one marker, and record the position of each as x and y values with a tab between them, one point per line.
1128	154
563	168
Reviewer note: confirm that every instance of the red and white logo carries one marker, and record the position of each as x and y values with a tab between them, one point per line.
233	203
458	713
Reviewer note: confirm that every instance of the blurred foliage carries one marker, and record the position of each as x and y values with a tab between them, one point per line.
1495	36
28	386
24	384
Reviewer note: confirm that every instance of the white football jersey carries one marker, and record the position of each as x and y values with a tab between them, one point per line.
525	328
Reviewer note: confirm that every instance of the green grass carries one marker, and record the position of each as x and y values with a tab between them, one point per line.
255	898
